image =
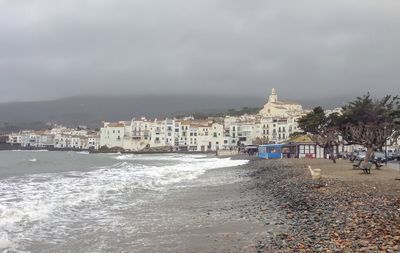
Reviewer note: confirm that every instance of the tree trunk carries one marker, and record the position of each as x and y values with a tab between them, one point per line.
369	154
333	155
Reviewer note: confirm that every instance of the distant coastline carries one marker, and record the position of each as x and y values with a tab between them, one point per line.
8	147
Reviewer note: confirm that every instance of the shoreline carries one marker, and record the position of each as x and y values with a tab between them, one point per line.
110	152
221	211
106	152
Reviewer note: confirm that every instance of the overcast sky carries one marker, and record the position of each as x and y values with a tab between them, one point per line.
58	48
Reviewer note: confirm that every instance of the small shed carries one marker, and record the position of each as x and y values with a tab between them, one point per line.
272	151
303	147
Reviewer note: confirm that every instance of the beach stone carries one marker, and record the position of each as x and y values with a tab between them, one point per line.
328	214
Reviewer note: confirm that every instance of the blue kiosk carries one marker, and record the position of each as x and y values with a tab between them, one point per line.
270	151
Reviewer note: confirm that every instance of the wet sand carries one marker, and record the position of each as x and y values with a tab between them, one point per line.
215	217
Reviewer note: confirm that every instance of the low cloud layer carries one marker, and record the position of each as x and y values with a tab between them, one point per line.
306	48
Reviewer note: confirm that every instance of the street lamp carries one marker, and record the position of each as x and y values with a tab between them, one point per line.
397	122
385	147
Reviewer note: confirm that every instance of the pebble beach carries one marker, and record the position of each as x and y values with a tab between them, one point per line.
344	211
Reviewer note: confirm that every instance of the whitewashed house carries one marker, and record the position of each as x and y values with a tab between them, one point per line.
93	141
112	134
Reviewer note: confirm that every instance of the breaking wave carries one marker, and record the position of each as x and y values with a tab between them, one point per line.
169	157
46	199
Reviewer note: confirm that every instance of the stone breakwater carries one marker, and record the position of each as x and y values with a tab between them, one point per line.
333	214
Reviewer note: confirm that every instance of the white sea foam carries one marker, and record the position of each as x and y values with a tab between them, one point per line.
4	242
33	160
33	150
83	152
57	197
173	157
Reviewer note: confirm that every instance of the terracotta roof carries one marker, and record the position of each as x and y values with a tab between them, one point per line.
285	103
280	107
184	122
115	124
301	139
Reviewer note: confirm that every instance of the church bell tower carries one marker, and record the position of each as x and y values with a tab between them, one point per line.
273	98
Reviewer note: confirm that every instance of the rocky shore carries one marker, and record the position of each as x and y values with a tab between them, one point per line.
345	211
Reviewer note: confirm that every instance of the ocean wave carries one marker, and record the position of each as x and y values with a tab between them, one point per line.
169	157
83	152
30	150
53	196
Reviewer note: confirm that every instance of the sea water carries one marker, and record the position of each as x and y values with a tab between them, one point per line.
53	201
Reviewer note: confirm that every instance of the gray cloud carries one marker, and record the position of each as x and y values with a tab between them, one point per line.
305	48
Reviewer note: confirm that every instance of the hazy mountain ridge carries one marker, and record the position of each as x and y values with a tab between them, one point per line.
92	110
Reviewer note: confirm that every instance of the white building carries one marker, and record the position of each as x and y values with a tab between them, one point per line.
274	124
112	134
178	135
93	141
276	108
